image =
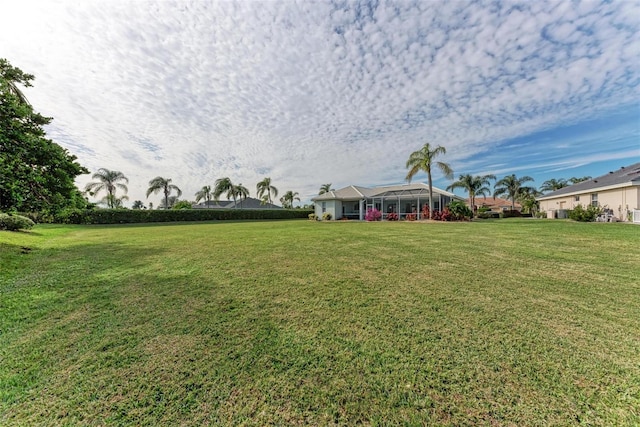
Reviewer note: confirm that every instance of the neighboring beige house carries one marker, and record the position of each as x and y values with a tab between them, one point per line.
618	191
496	204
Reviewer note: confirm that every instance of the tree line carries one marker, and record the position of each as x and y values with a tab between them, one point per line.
110	182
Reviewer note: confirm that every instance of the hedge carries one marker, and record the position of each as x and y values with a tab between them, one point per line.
130	216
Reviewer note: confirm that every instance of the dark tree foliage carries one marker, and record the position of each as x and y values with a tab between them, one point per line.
36	174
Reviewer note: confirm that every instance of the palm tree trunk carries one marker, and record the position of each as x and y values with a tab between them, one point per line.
430	195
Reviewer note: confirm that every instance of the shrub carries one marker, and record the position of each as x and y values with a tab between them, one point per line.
373	215
13	222
411	217
489	214
579	213
511	214
392	216
313	217
130	216
326	216
459	210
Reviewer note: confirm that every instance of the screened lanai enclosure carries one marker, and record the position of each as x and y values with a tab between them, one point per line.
353	202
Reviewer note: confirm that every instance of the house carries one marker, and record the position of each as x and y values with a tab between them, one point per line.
617	191
495	204
248	203
353	202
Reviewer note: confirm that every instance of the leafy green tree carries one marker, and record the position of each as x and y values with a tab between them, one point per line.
325	188
205	193
138	205
574	180
474	185
36	174
553	185
288	198
182	204
424	160
513	187
163	184
265	187
108	181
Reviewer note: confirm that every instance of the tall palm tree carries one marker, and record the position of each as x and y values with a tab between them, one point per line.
288	198
423	160
325	188
553	184
265	187
109	181
163	184
240	191
205	193
512	187
475	186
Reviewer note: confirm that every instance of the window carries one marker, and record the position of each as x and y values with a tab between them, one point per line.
324	207
356	207
594	199
577	198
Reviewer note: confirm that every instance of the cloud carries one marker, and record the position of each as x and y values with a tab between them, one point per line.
311	93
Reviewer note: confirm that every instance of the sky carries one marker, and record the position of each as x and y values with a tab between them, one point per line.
340	92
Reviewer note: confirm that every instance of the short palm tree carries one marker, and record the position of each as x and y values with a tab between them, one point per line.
205	193
325	188
223	185
553	185
475	186
240	191
109	181
574	180
288	198
114	202
163	184
264	187
424	160
512	187
137	205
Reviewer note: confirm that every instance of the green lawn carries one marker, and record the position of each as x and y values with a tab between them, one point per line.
509	322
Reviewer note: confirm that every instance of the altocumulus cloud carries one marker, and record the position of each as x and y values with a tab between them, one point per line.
315	92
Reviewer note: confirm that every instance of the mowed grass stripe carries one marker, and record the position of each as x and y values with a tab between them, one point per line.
511	322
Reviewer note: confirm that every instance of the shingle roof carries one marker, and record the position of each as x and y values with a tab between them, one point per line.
629	175
248	203
354	192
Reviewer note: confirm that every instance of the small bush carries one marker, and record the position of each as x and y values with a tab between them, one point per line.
326	216
313	217
579	213
373	215
392	216
459	210
411	217
12	222
489	214
511	214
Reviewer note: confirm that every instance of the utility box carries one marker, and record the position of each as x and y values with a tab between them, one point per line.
551	214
